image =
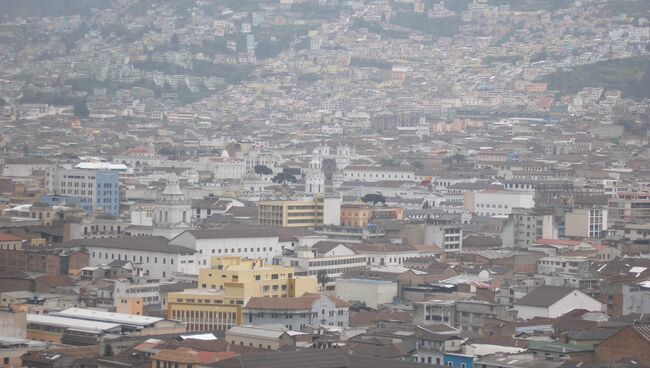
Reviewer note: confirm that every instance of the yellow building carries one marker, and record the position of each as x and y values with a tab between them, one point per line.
227	285
298	213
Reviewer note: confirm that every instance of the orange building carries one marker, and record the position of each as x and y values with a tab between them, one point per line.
10	242
360	215
356	216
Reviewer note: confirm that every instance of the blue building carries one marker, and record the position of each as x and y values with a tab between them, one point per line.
458	360
107	195
85	204
90	189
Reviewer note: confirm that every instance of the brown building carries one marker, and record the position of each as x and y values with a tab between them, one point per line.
360	215
632	342
357	216
68	357
51	261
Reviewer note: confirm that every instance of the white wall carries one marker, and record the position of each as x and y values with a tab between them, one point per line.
575	300
158	264
499	203
253	247
372	292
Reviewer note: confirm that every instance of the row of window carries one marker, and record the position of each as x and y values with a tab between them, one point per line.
487	205
232	250
383	176
98	255
335	262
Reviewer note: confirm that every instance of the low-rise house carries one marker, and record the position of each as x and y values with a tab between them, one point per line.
297	313
554	301
432	346
631	342
271	337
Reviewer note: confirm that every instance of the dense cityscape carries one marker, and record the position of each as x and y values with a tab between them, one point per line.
324	183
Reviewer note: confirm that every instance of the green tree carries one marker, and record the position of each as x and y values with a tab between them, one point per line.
374	198
283	178
262	170
323	279
80	110
108	350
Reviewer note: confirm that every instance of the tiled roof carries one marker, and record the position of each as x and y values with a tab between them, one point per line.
9	237
544	296
298	303
142	243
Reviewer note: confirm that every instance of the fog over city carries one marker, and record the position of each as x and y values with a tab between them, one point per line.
324	183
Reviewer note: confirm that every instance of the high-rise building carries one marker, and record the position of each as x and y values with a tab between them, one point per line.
525	226
586	222
629	207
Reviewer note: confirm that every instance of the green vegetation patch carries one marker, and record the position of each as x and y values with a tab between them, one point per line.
630	75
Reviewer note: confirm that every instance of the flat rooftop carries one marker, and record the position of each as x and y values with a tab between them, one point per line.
77	324
108	317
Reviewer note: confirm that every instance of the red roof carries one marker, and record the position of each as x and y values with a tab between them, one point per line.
10	237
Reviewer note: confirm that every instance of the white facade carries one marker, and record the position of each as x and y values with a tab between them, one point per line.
395	258
229	169
335	262
24	167
315	183
575	300
374	174
220	244
370	292
172	208
152	264
498	203
335	128
332	210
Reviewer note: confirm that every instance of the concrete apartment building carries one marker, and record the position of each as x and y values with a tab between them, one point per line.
497	203
320	210
444	231
526	226
465	315
333	258
586	222
567	271
629	207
